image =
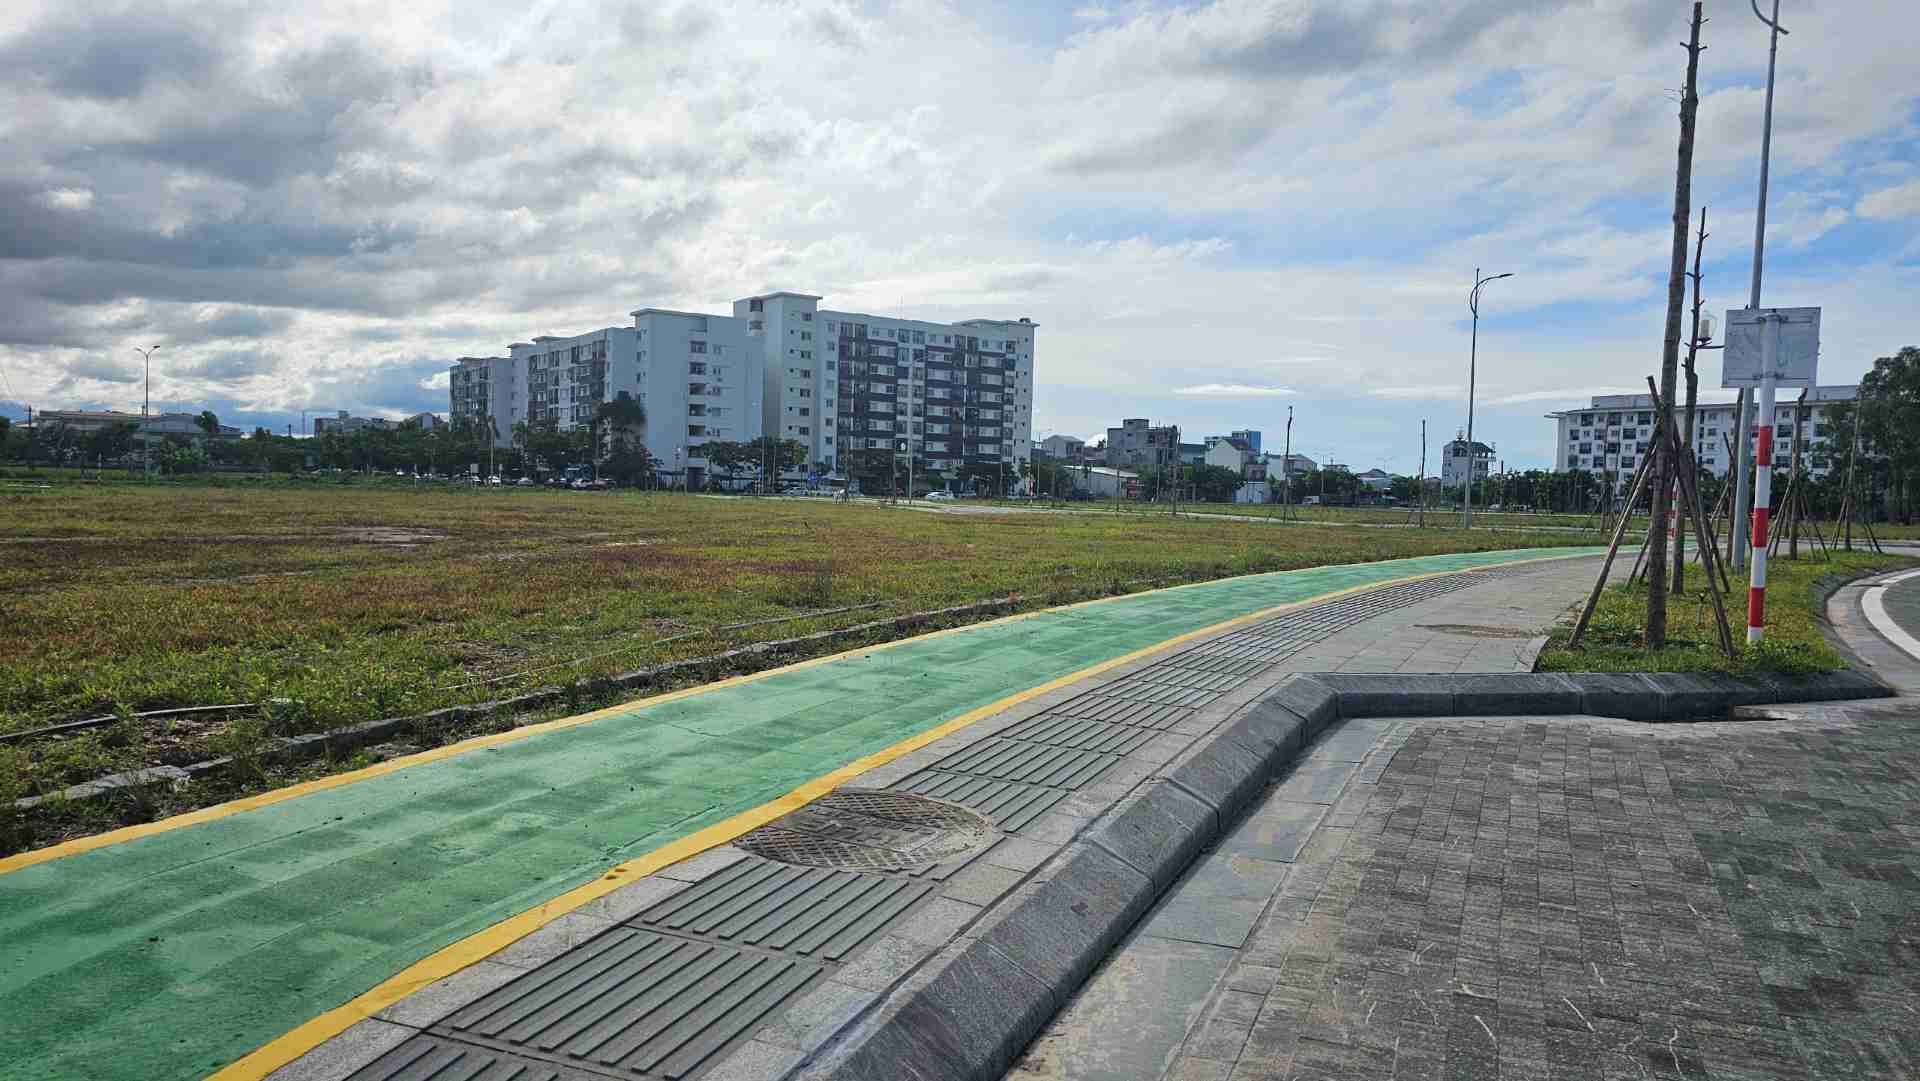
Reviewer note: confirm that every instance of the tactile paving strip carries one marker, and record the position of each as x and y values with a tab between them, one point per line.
1014	806
1018	774
1080	734
431	1058
629	1003
811	911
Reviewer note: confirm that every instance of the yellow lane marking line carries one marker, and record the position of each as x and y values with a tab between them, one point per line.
484	943
218	811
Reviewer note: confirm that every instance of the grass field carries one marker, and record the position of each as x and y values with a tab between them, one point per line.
353	603
1796	591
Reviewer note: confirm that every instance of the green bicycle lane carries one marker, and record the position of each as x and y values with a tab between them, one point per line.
170	955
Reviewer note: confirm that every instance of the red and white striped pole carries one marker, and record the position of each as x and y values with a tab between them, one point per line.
1762	480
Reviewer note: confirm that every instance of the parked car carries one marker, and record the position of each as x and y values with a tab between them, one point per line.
940	496
524	482
495	480
1310	501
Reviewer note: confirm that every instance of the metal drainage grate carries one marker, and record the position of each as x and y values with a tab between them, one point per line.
870	830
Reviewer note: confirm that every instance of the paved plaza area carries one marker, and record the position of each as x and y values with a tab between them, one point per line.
1544	897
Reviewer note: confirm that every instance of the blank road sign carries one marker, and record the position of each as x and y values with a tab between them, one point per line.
1796	350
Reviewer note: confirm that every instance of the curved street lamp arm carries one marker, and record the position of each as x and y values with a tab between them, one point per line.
1764	19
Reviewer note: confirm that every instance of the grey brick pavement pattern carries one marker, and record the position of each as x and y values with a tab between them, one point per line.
1568	898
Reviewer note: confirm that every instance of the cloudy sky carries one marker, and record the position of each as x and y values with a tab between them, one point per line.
1214	210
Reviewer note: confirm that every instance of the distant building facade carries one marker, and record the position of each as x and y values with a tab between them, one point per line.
1458	456
1062	447
1612	435
1136	443
951	395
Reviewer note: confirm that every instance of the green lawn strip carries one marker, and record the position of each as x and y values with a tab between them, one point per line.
1796	600
170	955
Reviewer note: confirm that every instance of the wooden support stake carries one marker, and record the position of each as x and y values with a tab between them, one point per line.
1613	548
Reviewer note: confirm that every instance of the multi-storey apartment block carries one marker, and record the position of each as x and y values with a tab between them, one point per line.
946	396
1613	434
482	391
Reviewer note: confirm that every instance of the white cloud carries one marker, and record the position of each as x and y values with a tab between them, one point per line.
1092	14
67	198
1902	201
1419	393
1579	395
1234	390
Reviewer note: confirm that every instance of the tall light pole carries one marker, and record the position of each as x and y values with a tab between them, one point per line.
146	403
1473	364
1741	509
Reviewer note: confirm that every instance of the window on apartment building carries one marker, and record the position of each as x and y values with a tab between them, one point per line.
696	346
806	317
806	392
806	354
695	367
756	305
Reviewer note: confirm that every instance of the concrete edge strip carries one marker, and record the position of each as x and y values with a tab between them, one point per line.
1873	603
968	1011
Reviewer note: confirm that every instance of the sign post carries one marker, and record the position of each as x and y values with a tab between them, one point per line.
1766	348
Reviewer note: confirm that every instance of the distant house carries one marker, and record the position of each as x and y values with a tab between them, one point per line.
1103	480
1454	459
1062	447
1136	442
344	423
1294	464
1378	480
1236	454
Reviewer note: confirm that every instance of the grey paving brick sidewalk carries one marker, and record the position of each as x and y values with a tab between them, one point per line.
1552	898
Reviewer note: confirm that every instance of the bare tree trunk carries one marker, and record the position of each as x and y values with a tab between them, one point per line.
1693	397
1665	467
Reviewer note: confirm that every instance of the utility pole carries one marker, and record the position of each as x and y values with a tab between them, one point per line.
1420	481
1666	465
1741	503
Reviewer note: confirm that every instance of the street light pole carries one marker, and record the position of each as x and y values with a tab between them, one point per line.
146	404
1473	364
1741	507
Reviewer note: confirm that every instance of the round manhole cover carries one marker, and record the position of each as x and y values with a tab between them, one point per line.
869	830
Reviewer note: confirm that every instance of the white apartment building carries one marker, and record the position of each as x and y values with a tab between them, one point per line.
949	395
482	391
1611	436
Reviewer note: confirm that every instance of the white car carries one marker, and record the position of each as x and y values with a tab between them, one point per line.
495	480
940	497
